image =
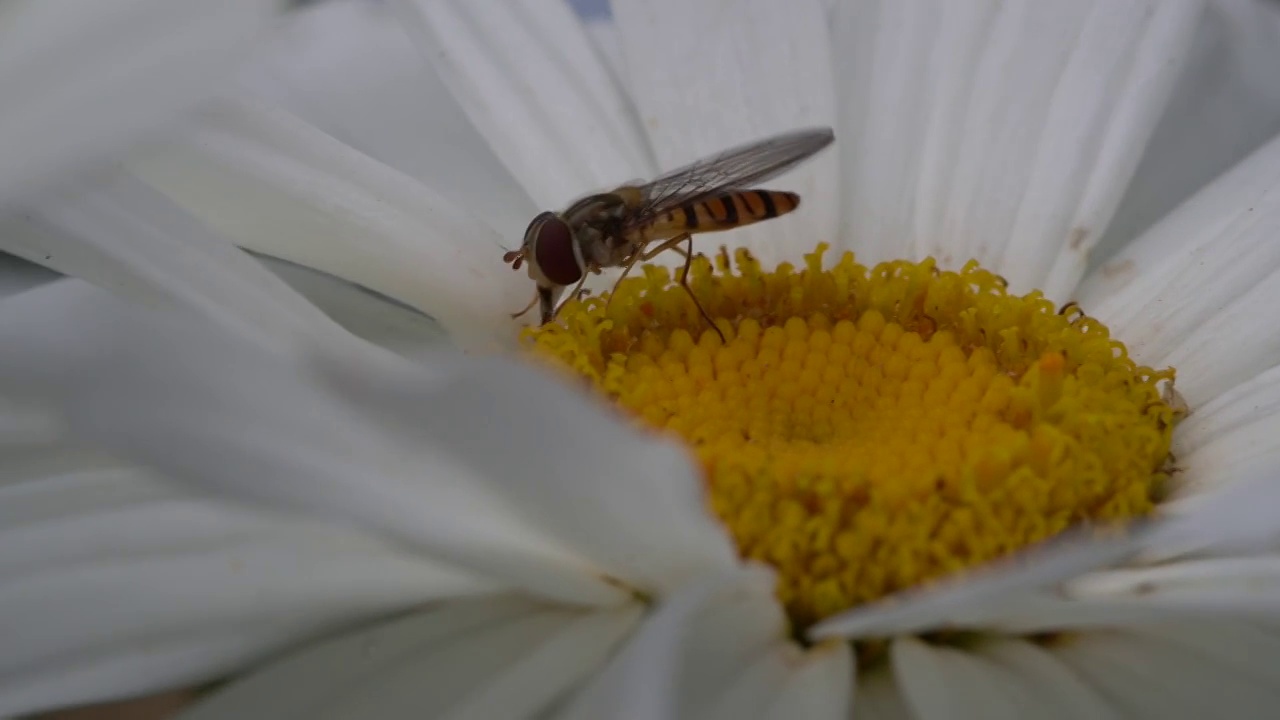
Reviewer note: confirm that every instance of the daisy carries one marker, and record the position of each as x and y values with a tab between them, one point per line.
206	477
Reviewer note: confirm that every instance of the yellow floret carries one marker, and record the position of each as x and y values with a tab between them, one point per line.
864	430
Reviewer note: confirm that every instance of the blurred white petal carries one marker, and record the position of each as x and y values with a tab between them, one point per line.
607	40
689	651
276	185
120	234
981	595
17	275
633	504
1226	105
349	68
1196	291
1002	132
1147	677
115	584
179	396
1212	587
499	658
80	80
944	682
819	684
530	80
705	78
1056	692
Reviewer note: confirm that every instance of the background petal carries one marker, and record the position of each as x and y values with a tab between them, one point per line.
349	68
175	394
113	583
1225	105
705	79
1001	132
120	234
1195	291
691	658
631	502
275	185
79	81
496	658
530	80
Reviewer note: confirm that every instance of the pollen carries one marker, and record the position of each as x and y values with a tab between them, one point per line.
868	429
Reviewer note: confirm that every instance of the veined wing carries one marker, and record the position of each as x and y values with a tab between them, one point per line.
737	168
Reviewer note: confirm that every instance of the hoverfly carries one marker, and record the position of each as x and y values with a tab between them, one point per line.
618	228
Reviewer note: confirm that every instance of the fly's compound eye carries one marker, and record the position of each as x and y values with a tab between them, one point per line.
554	250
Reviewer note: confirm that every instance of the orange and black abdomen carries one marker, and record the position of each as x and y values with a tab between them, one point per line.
731	209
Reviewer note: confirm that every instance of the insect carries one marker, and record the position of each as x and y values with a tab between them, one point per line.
634	223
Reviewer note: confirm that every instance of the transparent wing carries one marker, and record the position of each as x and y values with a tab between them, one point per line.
736	168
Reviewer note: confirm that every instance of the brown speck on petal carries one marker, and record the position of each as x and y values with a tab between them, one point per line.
1078	237
1117	269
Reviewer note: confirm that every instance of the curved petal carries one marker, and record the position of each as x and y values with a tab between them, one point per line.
81	80
1194	291
632	503
1001	132
349	68
983	595
1225	106
688	653
114	584
17	275
607	40
528	77
1210	587
275	185
120	234
1144	676
177	395
819	685
1055	690
495	658
943	682
705	79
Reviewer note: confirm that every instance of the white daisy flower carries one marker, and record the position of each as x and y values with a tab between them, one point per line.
210	478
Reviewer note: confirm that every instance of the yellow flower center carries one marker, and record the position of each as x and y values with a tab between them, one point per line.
864	430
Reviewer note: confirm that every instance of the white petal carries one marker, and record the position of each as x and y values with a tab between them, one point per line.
349	68
114	584
942	683
177	395
985	594
79	81
1204	586
1147	677
1245	405
17	275
122	235
499	658
607	40
705	78
1235	644
1193	291
529	79
276	185
365	313
1225	106
1002	132
821	686
1055	691
878	697
634	504
691	651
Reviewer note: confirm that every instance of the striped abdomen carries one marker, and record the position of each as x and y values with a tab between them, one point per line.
732	209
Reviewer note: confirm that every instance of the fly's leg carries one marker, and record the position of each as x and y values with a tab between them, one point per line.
684	276
684	283
528	307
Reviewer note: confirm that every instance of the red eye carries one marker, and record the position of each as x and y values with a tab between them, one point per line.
553	251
